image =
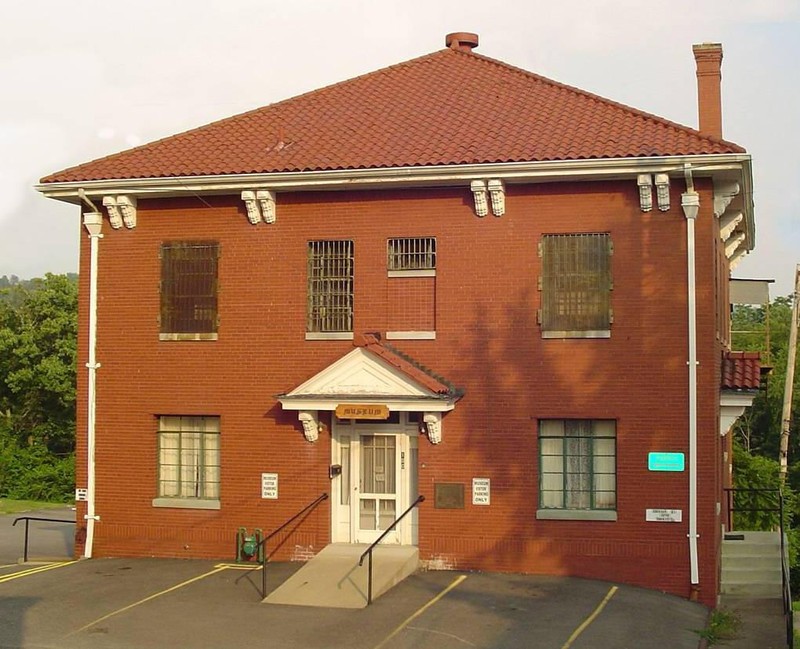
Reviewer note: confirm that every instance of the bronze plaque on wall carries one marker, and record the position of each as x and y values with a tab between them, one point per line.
448	495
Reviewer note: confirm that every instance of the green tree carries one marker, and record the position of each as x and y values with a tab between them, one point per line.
38	340
759	429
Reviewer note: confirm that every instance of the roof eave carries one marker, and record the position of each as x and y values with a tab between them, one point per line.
418	176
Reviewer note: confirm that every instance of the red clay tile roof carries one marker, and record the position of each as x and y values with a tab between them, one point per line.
448	107
741	370
404	363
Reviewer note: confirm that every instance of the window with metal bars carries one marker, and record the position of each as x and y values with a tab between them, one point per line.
189	287
575	285
188	457
411	254
330	287
577	464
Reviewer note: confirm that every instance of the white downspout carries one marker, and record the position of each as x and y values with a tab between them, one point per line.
93	222
690	202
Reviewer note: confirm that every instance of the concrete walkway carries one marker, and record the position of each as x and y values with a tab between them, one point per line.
763	625
334	579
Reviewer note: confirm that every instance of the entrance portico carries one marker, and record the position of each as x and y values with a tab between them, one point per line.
381	402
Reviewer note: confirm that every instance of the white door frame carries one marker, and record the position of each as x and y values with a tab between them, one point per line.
345	446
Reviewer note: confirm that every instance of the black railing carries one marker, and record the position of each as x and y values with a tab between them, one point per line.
277	530
27	520
753	506
368	551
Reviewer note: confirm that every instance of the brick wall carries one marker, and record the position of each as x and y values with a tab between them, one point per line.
487	341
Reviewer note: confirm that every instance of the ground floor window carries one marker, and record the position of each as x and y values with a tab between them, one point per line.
577	464
188	457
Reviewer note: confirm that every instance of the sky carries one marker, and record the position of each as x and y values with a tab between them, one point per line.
87	78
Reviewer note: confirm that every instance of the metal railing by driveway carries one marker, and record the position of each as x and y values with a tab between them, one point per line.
368	551
27	520
776	506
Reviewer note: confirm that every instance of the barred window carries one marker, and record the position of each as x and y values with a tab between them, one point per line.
189	287
576	285
577	464
410	254
188	457
330	286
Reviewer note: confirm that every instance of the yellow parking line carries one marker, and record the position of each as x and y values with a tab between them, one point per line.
147	599
420	611
590	619
34	571
238	566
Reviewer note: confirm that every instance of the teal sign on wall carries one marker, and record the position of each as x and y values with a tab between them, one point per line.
665	461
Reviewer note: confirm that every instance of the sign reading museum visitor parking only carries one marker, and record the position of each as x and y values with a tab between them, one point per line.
481	491
269	486
664	515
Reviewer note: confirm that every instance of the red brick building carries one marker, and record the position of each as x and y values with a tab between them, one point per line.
450	277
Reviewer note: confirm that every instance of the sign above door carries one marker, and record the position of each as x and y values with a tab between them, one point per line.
362	411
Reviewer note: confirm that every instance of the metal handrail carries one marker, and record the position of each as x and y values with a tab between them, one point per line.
368	551
27	520
263	541
786	587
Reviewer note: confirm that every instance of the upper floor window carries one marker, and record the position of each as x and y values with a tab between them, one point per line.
330	289
576	286
407	255
189	290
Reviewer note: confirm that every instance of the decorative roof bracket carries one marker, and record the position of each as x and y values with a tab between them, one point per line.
497	192
121	209
478	188
724	193
310	421
645	183
260	205
433	424
662	192
728	223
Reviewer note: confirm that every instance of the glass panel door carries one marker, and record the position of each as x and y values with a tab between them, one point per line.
378	481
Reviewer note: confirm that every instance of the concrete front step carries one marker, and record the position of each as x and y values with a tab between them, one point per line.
752	561
749	590
751	575
334	579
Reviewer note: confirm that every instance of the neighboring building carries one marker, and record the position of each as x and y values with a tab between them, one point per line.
449	277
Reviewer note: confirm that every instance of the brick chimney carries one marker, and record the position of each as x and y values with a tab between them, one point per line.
464	41
708	57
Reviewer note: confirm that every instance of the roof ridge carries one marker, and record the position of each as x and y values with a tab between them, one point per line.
591	95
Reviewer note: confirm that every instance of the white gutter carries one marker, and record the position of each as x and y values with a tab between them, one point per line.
93	222
690	202
422	176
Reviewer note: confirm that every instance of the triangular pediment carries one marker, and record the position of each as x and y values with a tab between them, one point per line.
361	374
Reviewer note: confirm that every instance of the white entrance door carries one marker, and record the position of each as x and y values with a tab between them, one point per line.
378	486
377	481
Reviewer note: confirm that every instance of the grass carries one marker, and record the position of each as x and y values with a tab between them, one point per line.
722	625
8	506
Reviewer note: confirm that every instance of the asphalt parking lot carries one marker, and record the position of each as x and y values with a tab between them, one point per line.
154	603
